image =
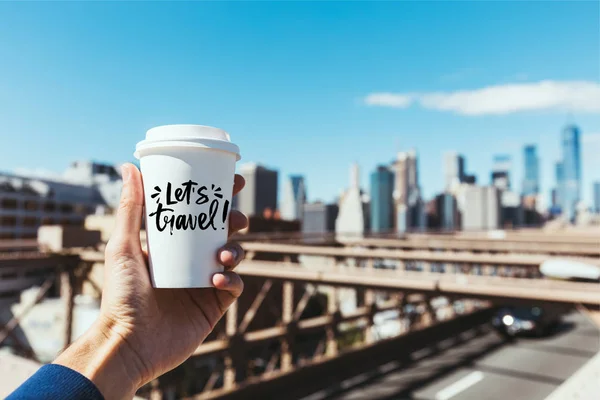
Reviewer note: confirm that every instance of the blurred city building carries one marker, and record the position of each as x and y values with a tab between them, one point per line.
531	182
447	211
26	203
470	179
454	169
382	202
482	208
558	171
408	205
557	191
103	177
319	218
260	192
500	176
554	198
534	210
585	216
433	217
570	183
294	197
353	217
448	207
512	209
270	222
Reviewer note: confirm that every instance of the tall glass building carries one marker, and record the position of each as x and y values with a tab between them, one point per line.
501	171
454	169
294	197
382	188
559	184
571	171
531	183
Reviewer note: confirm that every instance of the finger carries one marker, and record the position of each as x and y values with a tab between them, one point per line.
230	255
129	213
237	222
229	282
238	183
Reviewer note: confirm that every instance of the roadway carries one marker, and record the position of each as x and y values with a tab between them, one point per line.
482	367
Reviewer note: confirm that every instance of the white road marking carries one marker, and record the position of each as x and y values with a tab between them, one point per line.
459	386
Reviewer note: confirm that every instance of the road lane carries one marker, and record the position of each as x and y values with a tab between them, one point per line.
528	368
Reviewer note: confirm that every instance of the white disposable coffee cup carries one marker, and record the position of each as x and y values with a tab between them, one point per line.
188	173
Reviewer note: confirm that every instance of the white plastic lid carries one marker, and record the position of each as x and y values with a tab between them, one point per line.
186	136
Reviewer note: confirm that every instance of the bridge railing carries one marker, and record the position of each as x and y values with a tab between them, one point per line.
293	317
315	323
508	265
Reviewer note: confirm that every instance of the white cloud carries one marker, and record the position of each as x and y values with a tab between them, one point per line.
578	96
389	100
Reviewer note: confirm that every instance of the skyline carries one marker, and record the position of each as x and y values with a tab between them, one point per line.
297	82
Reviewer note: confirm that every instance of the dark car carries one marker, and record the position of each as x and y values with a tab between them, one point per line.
534	320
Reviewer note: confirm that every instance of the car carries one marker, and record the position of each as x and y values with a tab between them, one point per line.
534	320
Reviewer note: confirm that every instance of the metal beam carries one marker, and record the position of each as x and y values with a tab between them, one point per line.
14	322
258	300
474	286
35	260
432	243
319	373
524	260
18	244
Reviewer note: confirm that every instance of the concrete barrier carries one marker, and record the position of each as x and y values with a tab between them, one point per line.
582	385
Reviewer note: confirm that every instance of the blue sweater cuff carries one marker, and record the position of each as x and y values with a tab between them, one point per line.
55	382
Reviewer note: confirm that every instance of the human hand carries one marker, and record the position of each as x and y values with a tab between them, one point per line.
144	332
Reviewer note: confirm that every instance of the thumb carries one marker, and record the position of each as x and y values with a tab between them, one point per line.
125	239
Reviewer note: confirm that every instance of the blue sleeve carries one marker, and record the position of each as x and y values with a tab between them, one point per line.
55	382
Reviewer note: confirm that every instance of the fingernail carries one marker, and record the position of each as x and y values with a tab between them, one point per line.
227	279
234	253
125	173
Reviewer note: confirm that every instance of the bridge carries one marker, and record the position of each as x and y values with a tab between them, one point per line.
531	242
342	320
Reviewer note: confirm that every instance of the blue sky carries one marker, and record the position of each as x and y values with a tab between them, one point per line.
306	87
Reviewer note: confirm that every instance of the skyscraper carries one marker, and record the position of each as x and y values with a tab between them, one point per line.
260	192
512	208
571	188
482	208
294	197
554	198
352	219
559	174
319	218
382	203
531	182
447	211
408	205
454	169
412	170
501	171
597	197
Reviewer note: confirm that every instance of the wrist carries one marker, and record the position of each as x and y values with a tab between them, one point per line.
103	356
